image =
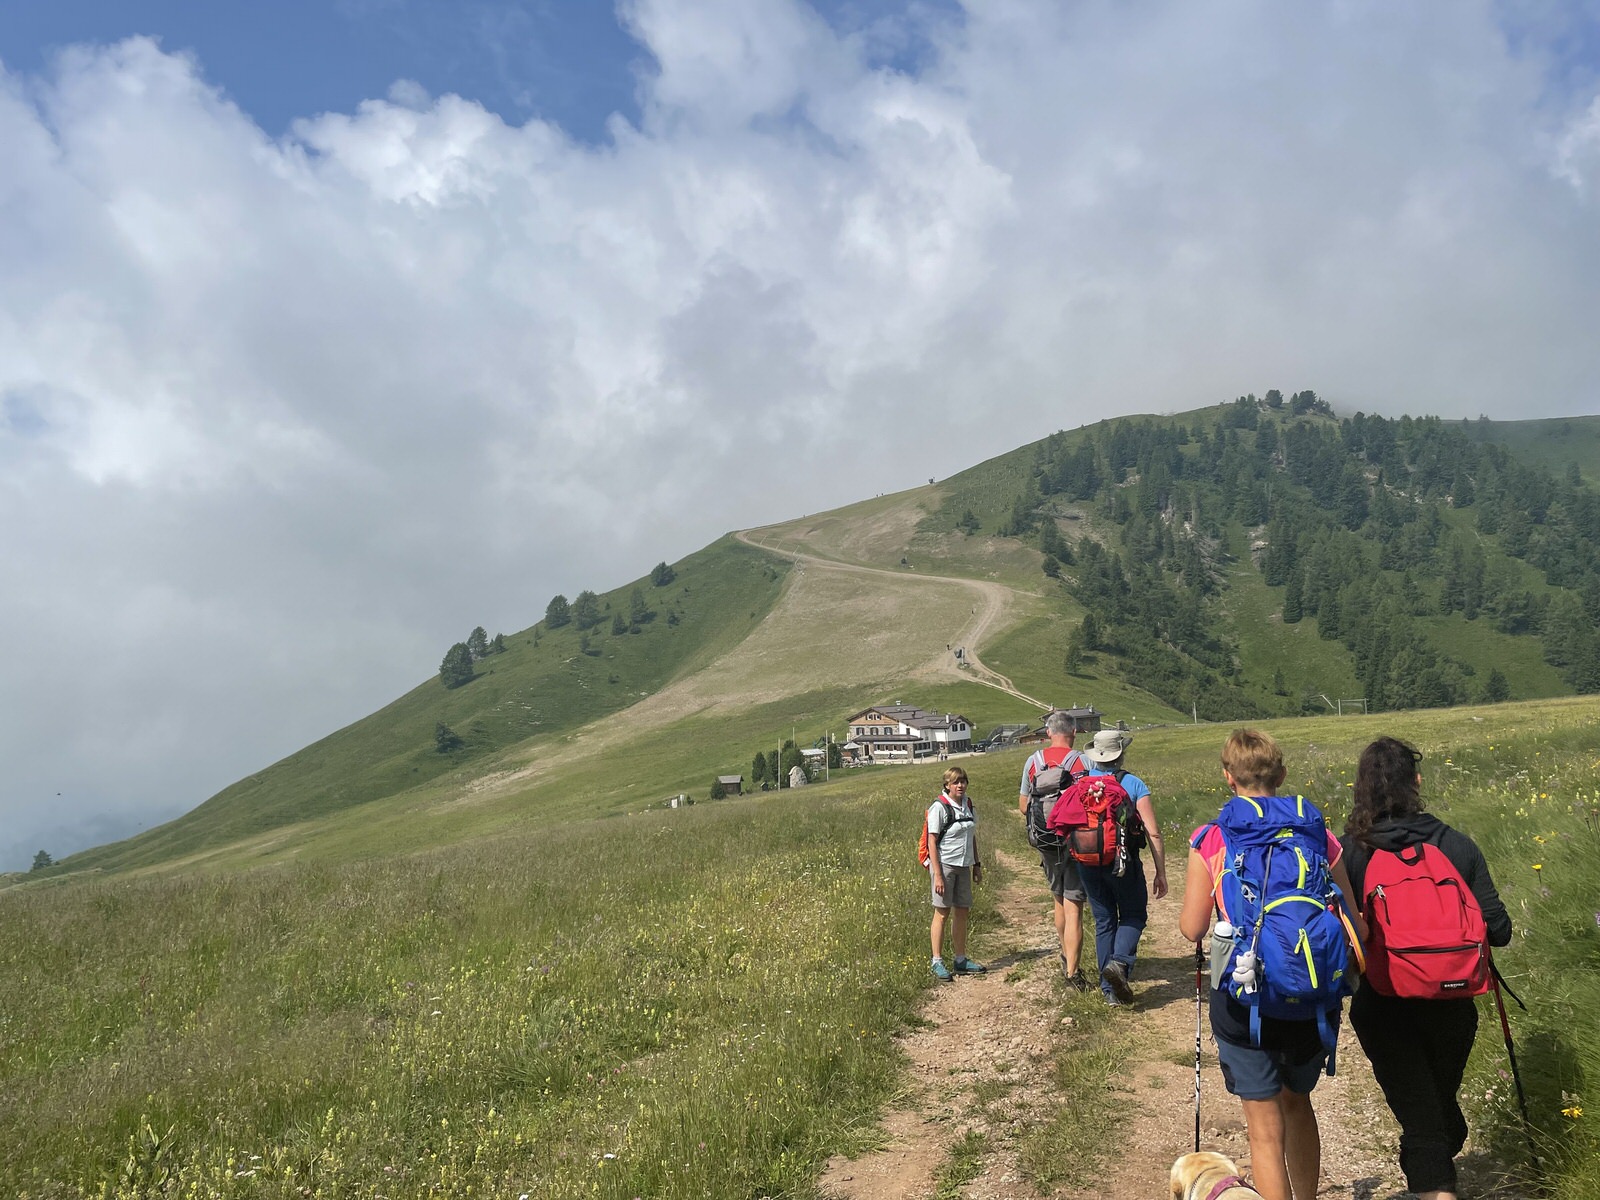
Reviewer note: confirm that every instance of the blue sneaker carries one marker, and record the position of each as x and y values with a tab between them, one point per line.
965	966
941	972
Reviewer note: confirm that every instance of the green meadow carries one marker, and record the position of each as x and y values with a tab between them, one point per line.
691	1002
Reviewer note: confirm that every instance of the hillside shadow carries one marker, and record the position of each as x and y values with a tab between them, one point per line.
1478	1175
1164	980
1017	957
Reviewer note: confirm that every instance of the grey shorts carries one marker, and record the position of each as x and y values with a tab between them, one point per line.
1251	1073
1061	872
957	888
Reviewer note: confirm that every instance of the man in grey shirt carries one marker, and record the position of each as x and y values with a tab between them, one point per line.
1060	871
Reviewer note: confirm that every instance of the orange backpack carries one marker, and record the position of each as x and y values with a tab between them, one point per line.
923	857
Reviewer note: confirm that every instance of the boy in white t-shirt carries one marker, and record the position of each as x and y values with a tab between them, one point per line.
953	866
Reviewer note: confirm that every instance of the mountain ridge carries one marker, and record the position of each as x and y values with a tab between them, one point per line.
1184	506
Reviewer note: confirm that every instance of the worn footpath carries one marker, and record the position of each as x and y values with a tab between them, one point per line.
980	1076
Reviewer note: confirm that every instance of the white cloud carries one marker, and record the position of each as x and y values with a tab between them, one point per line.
1577	157
248	387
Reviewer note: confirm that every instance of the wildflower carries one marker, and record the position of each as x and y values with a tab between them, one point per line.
1573	1110
1538	866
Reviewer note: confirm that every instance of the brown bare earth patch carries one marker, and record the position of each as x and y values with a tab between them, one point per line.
986	1039
990	607
982	1065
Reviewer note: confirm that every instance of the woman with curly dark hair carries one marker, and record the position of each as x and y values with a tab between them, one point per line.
1418	1047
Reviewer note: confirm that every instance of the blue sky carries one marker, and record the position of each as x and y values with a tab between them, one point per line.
566	61
260	359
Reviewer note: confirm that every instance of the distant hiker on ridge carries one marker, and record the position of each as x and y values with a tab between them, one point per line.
1046	774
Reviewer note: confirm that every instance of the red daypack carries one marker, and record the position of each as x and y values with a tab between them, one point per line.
1426	935
1091	814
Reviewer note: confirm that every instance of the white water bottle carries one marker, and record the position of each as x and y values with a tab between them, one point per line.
1222	942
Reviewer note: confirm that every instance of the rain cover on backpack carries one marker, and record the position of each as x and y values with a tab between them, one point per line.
1091	815
1290	959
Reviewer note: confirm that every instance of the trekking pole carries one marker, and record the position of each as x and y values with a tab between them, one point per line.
1199	970
1516	1076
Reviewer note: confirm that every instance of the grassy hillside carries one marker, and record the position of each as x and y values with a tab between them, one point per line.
543	686
1556	444
677	1004
1169	547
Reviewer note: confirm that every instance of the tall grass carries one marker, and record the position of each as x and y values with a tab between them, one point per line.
689	1003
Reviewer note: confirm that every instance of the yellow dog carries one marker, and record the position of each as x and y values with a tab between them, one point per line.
1208	1176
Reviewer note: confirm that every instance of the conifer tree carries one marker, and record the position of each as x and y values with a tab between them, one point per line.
1293	602
586	610
456	669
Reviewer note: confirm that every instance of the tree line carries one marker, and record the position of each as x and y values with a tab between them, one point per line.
1354	519
585	613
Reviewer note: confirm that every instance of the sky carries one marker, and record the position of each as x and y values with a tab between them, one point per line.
331	331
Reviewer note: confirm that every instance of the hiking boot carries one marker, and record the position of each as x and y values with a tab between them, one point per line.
941	972
1074	979
1115	976
965	966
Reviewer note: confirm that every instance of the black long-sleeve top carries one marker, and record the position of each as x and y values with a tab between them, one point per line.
1461	850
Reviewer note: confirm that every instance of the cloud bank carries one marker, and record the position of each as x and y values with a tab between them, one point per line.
280	419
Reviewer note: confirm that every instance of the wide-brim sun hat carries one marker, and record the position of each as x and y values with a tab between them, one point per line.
1108	745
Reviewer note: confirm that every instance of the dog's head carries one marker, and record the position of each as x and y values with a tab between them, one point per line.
1198	1176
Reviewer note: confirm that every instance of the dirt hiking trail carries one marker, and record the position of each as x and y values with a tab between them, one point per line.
993	602
982	1064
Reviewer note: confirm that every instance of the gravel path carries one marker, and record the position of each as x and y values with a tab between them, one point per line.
1015	1019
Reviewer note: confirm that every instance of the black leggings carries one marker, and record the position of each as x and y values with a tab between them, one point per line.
1418	1050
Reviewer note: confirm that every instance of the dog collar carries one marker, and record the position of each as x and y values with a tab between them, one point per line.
1223	1185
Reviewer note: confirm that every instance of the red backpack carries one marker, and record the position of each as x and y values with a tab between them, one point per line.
1426	935
1090	814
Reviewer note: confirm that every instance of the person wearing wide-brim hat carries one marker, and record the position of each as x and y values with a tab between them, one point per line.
1120	903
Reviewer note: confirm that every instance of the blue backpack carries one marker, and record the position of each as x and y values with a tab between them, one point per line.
1290	958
